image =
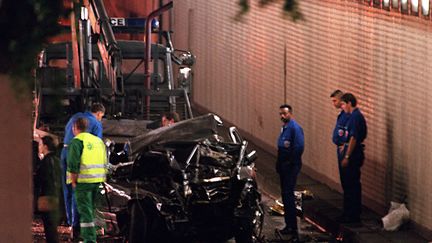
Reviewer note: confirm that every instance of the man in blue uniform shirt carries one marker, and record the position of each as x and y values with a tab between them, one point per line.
351	159
288	165
94	117
338	137
339	130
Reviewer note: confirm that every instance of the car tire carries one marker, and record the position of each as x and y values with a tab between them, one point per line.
245	231
258	222
250	229
138	223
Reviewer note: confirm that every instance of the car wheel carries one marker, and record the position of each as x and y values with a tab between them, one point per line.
245	231
258	222
250	229
138	223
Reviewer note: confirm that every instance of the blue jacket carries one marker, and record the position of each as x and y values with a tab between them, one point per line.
357	128
291	142
95	128
340	128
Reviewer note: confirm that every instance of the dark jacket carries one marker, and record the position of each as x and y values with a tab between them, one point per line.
48	177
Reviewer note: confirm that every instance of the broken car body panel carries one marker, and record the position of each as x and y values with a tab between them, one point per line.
185	182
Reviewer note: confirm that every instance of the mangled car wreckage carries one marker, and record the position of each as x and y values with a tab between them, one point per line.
193	181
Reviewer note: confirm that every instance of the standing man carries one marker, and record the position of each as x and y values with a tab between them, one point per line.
352	159
339	130
94	117
288	165
338	137
86	170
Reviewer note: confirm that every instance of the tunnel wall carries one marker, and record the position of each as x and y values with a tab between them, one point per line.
245	69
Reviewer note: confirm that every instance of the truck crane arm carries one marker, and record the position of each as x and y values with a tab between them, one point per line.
107	44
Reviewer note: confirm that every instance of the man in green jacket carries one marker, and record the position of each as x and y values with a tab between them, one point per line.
86	170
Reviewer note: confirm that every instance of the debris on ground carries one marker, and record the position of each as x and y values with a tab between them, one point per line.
398	215
278	208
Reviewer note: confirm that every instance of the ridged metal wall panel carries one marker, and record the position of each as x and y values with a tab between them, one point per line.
382	57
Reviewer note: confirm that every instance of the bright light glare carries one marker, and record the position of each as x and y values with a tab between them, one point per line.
386	3
84	13
185	71
414	5
404	4
425	7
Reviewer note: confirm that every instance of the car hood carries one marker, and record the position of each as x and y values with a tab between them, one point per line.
191	130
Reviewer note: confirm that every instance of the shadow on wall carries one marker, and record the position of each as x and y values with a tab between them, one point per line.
396	168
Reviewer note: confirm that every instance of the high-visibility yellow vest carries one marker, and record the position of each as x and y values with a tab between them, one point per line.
93	160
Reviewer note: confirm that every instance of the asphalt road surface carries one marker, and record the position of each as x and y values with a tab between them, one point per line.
309	231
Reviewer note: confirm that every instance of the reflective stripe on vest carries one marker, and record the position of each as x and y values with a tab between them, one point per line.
86	225
93	160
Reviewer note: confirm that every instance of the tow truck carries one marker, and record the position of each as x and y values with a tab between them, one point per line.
208	190
133	79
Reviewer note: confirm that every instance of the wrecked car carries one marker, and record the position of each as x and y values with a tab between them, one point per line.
192	181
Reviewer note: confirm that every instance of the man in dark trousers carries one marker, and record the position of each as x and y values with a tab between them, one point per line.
351	159
86	170
288	165
94	117
338	137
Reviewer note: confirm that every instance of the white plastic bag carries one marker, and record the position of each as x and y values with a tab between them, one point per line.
398	215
